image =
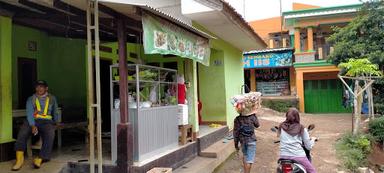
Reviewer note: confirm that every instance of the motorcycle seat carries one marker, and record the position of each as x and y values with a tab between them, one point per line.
286	161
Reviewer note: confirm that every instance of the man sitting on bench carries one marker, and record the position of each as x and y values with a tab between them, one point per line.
42	113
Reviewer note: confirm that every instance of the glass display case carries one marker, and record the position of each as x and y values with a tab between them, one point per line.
152	109
148	86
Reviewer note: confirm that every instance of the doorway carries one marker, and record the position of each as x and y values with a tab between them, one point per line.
105	95
105	103
27	76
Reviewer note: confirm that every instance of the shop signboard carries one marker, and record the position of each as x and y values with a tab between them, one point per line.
164	37
267	59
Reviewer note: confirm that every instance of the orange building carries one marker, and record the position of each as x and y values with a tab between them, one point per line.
313	80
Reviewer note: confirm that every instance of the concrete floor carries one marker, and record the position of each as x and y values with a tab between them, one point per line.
71	153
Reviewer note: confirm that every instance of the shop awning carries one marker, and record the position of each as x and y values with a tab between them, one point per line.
184	40
218	17
165	34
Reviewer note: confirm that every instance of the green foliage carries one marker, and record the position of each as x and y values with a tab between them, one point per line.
353	150
362	37
379	108
376	129
360	67
279	105
378	99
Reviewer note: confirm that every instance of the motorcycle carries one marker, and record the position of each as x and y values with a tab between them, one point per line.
291	166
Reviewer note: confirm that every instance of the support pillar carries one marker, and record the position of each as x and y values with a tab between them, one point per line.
271	43
191	77
6	141
253	80
310	39
284	42
300	89
292	40
292	80
297	40
124	128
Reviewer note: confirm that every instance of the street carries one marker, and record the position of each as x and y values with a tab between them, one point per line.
328	129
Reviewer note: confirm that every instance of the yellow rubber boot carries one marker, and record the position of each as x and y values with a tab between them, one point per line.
37	162
19	161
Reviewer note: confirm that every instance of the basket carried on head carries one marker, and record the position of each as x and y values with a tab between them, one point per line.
247	104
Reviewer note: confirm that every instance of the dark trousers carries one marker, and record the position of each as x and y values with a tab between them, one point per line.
46	129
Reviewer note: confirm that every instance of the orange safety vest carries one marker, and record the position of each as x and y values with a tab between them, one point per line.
38	107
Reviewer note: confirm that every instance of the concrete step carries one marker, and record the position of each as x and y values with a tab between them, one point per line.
209	158
219	149
198	165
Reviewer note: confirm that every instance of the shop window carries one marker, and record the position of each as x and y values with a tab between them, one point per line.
273	81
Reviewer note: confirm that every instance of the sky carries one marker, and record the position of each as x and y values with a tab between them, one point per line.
261	9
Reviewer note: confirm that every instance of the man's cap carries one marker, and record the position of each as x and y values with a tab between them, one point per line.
41	82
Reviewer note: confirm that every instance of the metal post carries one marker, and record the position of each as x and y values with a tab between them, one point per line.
98	91
90	91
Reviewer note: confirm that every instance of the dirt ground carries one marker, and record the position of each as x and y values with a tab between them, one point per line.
328	129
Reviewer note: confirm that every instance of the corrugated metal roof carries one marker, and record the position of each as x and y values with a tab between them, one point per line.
240	18
322	11
268	50
162	14
176	20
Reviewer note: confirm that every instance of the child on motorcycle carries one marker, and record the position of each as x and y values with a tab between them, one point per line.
292	137
244	127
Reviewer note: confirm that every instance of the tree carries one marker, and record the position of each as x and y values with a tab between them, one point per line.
359	70
362	37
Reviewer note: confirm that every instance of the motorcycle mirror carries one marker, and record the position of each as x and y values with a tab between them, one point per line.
311	127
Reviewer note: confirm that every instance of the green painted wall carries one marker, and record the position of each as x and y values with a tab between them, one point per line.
20	37
230	81
212	88
234	79
64	68
60	61
5	77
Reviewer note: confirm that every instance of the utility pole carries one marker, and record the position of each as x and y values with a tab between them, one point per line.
281	22
244	9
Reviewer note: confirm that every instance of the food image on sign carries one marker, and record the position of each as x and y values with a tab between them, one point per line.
166	38
188	48
195	50
283	61
172	42
201	53
160	40
181	46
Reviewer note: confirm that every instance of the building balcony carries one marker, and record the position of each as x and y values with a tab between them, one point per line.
321	55
305	57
